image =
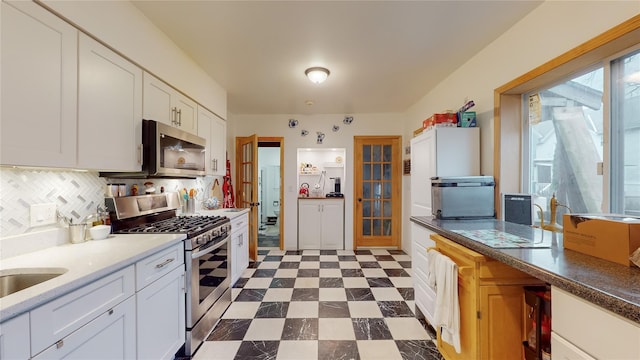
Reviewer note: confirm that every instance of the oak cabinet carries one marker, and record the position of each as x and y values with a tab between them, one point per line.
491	298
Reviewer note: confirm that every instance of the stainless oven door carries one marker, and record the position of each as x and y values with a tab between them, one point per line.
210	278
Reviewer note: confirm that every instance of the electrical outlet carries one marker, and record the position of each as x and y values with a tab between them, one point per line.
43	214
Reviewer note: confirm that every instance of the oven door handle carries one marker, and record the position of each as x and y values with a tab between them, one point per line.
210	249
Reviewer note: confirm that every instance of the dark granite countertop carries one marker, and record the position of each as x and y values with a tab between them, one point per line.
606	284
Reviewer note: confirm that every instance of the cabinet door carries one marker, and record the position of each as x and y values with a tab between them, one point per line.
214	130
111	335
420	176
187	112
156	103
14	338
240	253
109	109
39	87
332	224
309	229
501	321
161	316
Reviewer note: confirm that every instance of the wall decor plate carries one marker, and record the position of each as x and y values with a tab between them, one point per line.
304	133
335	128
348	120
293	123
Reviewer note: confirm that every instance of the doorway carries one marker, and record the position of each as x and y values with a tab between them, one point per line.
270	192
378	191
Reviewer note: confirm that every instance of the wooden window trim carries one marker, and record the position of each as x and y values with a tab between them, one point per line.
508	105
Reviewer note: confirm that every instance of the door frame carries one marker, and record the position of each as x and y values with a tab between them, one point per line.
240	194
280	140
396	191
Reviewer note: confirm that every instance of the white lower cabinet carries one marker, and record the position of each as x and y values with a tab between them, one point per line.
14	338
321	224
160	314
112	335
239	246
425	296
583	330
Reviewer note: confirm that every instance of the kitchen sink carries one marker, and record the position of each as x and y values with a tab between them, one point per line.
14	280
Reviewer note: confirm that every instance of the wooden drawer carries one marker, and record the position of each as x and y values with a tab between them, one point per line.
62	316
157	265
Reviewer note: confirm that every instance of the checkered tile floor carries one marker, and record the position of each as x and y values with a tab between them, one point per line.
323	304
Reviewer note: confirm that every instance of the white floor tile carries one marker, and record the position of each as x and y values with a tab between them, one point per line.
366	258
258	283
329	258
335	329
332	294
219	350
241	310
307	283
286	273
379	251
386	294
349	265
344	252
406	329
292	258
303	309
374	273
278	295
402	282
364	309
330	273
378	349
234	293
298	350
389	265
264	329
269	265
402	257
310	265
355	282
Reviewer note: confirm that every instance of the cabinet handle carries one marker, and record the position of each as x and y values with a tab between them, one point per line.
241	240
174	111
110	311
179	117
164	263
59	344
140	153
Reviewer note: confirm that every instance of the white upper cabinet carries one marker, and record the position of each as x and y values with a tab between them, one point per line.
163	103
214	129
109	109
39	87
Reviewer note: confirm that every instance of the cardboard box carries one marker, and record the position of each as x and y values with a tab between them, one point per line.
609	237
467	119
446	119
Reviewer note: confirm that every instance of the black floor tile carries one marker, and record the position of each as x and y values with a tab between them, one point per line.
230	329
407	293
396	273
357	294
369	265
352	272
395	309
264	273
329	265
333	309
258	350
418	350
379	282
289	265
371	329
338	350
282	283
308	272
310	258
300	329
305	295
276	309
331	283
251	295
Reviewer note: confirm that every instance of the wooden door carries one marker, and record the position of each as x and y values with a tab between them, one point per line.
247	193
377	187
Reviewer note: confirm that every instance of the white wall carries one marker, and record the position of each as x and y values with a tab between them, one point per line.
123	27
550	30
277	125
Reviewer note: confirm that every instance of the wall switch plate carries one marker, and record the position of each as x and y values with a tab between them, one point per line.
43	214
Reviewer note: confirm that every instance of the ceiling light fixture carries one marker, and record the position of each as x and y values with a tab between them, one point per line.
317	74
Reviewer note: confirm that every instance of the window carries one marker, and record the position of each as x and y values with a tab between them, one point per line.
566	132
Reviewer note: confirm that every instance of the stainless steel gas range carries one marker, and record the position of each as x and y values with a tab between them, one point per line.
207	260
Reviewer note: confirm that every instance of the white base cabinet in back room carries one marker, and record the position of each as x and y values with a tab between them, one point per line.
239	246
214	129
424	295
165	104
39	87
321	224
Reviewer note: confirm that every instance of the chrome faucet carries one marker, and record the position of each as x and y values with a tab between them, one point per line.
553	206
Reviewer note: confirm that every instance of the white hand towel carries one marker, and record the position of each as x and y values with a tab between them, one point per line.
432	254
447	313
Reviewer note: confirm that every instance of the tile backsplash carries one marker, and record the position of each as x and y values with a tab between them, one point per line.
75	193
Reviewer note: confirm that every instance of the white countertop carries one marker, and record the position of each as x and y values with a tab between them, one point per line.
230	213
85	262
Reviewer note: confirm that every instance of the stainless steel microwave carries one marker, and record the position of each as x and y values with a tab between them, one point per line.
168	152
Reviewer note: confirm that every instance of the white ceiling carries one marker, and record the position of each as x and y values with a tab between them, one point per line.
383	55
